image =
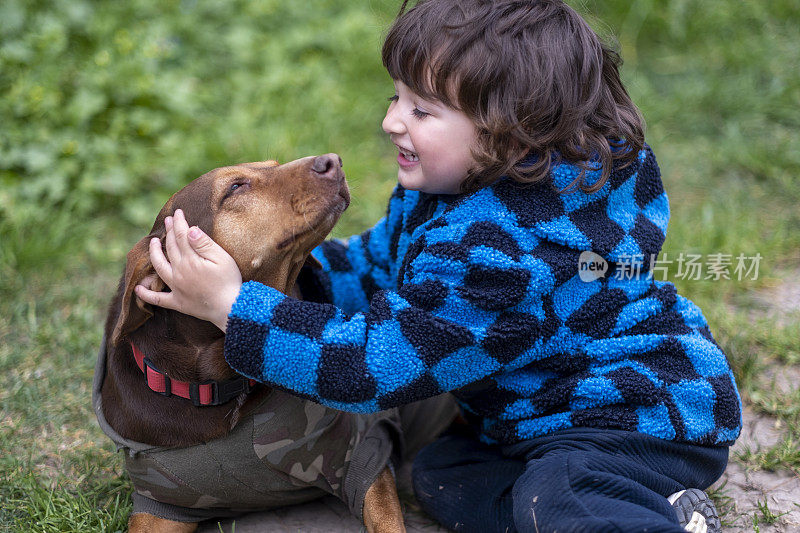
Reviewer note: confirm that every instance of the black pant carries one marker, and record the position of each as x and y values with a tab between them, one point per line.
575	480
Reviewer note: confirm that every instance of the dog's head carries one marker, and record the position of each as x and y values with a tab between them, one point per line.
267	216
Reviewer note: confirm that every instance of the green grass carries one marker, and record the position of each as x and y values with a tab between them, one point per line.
768	516
726	506
81	502
109	107
784	455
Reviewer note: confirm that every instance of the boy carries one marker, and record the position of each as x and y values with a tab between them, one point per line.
592	405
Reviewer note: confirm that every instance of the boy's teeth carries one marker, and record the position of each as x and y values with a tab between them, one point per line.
411	156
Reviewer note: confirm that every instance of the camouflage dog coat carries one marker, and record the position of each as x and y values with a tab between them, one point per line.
286	451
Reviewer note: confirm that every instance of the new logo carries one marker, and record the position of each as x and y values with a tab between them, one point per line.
591	266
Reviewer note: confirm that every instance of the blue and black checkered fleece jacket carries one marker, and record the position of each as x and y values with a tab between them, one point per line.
480	294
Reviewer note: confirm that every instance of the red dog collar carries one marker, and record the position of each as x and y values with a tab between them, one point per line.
206	393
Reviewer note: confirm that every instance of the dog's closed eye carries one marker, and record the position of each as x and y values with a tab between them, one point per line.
238	186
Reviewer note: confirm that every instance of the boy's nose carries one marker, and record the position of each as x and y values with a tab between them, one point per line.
391	124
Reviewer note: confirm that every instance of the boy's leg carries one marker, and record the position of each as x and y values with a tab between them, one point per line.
421	422
606	480
466	485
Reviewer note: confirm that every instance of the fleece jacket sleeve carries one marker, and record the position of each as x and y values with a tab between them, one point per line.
355	268
446	327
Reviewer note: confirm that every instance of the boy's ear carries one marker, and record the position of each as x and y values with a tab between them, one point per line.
133	311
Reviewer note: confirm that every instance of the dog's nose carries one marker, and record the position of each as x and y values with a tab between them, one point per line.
327	166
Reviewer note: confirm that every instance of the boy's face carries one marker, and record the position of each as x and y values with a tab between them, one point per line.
434	142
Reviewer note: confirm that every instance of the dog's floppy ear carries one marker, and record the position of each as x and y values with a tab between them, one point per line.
133	311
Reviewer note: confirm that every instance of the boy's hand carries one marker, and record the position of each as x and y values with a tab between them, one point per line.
204	279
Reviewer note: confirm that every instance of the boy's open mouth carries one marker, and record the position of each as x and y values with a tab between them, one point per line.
406	158
408	155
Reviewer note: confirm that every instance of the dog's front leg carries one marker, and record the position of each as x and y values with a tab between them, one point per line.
147	523
382	512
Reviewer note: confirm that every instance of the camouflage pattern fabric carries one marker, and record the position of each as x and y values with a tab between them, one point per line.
286	451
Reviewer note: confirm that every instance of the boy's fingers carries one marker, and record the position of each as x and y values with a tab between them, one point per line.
181	231
173	252
205	245
160	264
148	280
161	299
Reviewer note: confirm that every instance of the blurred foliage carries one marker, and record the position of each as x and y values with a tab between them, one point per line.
724	71
109	107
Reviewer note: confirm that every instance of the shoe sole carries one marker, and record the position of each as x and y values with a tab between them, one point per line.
696	512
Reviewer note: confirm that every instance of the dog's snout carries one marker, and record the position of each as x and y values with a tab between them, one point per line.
327	166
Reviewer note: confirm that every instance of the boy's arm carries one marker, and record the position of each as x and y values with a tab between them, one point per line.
450	325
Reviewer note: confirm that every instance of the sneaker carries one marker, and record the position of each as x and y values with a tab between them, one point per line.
696	511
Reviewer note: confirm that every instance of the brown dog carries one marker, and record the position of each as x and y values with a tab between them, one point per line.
268	217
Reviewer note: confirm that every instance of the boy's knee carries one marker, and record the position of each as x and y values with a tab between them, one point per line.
428	465
451	461
446	452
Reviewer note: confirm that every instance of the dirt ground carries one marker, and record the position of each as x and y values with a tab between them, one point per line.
779	491
746	494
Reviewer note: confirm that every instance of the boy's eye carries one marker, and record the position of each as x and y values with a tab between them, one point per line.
419	113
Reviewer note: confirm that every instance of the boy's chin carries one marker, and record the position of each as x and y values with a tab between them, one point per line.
415	181
412	181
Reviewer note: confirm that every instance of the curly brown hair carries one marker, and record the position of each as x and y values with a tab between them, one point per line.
536	80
